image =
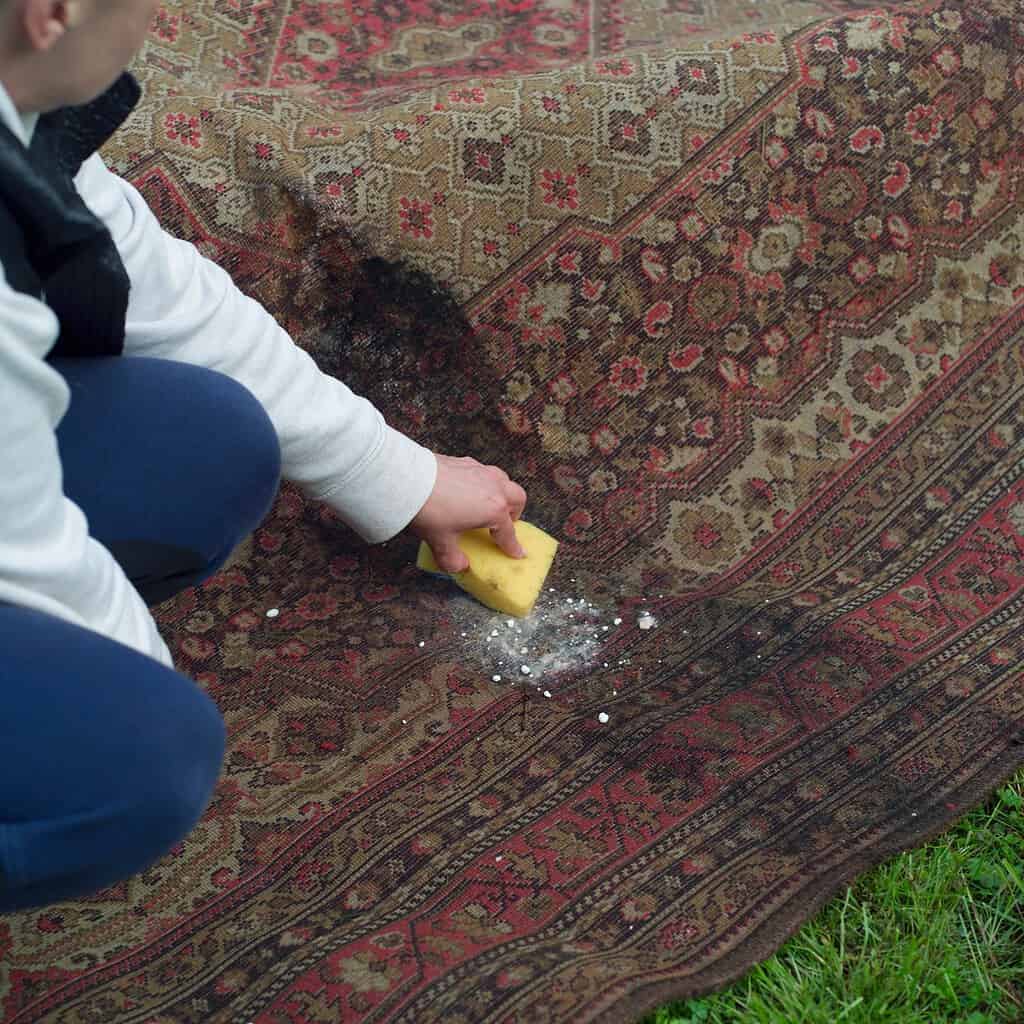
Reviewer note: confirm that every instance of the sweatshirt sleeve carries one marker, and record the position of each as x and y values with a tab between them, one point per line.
48	561
334	444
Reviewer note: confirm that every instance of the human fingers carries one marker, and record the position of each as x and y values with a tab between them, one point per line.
516	498
447	553
504	534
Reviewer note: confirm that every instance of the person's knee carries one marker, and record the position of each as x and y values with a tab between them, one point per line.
190	775
252	449
167	778
180	779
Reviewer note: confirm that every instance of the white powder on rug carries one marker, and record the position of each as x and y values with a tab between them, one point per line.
560	638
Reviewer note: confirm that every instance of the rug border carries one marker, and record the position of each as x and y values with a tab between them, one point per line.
765	941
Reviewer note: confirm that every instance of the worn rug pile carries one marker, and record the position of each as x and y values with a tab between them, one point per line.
736	291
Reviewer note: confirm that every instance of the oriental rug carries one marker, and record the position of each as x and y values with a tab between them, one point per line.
736	291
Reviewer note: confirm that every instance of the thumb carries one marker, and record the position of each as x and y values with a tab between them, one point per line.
448	555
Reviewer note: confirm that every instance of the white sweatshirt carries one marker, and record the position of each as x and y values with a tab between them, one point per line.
334	445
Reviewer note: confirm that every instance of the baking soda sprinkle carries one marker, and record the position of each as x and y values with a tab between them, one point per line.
560	638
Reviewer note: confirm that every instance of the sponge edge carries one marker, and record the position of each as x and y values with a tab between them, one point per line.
508	585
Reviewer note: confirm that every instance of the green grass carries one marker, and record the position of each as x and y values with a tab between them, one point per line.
935	935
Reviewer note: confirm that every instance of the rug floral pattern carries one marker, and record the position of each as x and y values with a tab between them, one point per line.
736	291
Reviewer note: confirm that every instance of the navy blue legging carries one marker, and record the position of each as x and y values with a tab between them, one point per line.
110	758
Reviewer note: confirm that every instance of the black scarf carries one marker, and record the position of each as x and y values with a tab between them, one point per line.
51	245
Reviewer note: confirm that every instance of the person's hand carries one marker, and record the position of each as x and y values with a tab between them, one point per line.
468	495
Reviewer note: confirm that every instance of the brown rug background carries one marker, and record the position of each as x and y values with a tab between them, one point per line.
736	292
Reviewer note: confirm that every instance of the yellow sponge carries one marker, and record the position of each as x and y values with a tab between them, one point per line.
509	585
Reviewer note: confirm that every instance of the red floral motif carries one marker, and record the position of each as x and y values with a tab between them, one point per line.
577	524
703	428
815	156
678	934
735	374
983	114
775	341
851	67
628	375
821	123
686	358
657	317
515	418
652	265
569	262
924	123
791	235
783	573
897	181
245	619
268	541
719	171
865	139
563	387
559	189
414	216
899	231
604	439
706	535
861	269
183	128
197	647
947	60
776	152
316	607
293	650
657	459
692	225
467	94
953	211
165	25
